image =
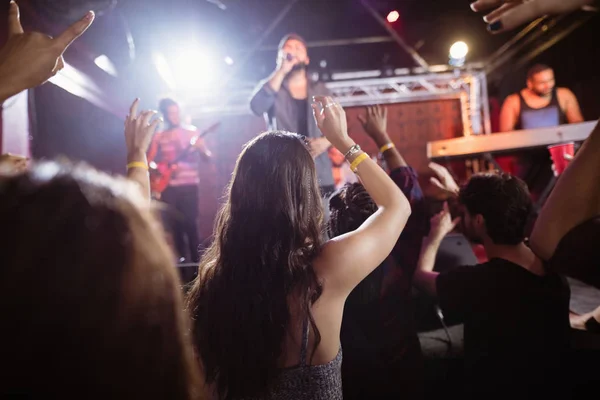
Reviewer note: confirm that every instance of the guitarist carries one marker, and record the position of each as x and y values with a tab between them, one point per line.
181	194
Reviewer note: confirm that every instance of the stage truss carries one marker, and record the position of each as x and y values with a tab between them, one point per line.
468	86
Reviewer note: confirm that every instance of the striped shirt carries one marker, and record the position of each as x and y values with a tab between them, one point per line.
167	146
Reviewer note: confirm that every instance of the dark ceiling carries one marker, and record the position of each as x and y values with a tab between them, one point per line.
168	26
130	31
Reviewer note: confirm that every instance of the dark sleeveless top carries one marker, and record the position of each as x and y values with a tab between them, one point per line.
532	118
308	382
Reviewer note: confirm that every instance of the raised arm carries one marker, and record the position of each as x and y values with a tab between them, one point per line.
29	59
374	123
348	259
575	199
424	277
508	14
138	135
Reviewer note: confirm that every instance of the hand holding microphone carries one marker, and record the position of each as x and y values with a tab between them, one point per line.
286	62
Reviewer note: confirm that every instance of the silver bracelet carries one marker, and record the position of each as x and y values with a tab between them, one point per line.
353	150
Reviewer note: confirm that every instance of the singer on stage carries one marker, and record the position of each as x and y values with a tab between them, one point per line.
284	99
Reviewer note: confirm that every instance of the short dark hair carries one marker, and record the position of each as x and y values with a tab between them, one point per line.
349	206
291	36
504	202
536	69
166	103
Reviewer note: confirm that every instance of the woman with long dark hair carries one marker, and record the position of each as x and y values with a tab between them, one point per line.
268	301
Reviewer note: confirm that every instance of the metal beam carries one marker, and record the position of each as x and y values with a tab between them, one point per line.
282	14
552	41
411	51
331	43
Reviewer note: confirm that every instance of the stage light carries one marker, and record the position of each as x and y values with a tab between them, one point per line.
459	50
195	69
104	63
393	16
163	69
458	54
228	60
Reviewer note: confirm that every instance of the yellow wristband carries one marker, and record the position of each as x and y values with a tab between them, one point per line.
357	161
137	164
386	147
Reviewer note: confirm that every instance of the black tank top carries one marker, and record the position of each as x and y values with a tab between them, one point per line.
532	118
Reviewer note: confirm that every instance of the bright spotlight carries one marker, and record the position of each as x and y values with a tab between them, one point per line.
163	69
195	69
105	64
458	53
393	16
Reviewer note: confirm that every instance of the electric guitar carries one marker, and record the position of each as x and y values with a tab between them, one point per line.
162	172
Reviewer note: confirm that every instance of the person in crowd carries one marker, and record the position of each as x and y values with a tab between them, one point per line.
283	98
279	290
515	310
181	195
509	14
92	302
382	354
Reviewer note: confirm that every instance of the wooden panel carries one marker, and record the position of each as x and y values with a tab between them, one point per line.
411	126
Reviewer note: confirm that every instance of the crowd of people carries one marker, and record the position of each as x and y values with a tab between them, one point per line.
288	303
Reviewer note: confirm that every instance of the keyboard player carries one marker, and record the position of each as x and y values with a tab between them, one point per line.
540	105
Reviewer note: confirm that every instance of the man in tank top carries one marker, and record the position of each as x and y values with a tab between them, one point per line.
541	104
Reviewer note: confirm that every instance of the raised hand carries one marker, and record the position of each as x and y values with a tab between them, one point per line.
138	135
442	224
331	120
139	130
29	59
443	180
375	123
509	14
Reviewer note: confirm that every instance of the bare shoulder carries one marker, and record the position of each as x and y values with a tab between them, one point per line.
512	102
512	99
565	93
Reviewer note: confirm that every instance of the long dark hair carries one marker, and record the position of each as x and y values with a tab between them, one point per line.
88	294
267	235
